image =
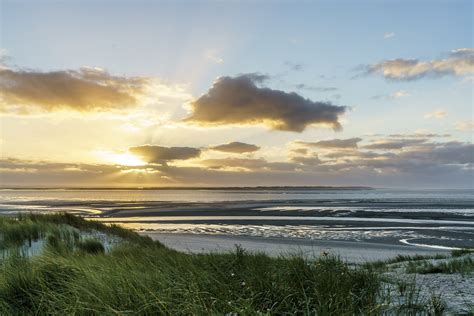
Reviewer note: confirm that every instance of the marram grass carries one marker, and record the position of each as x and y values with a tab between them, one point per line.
141	276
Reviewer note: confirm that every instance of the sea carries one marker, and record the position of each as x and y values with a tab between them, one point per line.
441	219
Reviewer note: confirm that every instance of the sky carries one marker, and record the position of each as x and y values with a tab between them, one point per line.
236	93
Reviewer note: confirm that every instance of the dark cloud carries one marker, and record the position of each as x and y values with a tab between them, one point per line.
443	153
87	89
333	143
459	62
388	144
236	147
238	100
160	155
449	157
256	77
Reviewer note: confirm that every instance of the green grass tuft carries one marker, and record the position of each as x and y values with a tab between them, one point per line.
91	246
462	265
461	252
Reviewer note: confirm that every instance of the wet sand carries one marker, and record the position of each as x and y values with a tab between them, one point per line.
351	251
368	218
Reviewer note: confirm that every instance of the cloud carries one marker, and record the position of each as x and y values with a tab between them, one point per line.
464	126
389	144
160	155
307	161
437	114
236	147
302	86
388	35
84	90
4	57
213	55
238	100
430	164
293	66
419	135
459	62
444	153
333	143
300	151
468	79
429	160
246	164
392	96
15	165
399	94
358	154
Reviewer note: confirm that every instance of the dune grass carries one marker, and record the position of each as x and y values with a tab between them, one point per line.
460	265
461	252
387	265
140	276
153	280
15	231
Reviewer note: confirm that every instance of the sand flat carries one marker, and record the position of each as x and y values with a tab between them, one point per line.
352	251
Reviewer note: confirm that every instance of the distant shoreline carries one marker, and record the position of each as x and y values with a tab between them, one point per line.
243	188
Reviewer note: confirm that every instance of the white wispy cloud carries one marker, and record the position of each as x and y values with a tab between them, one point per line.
437	114
395	95
464	126
213	55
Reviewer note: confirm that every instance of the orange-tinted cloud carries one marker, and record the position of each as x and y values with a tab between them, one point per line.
460	62
85	90
246	164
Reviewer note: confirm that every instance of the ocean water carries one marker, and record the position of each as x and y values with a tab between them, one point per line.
443	197
432	218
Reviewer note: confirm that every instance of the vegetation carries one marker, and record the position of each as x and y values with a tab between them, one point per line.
461	252
385	265
462	265
438	306
91	246
425	264
138	275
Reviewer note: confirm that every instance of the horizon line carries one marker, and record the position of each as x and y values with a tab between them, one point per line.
186	187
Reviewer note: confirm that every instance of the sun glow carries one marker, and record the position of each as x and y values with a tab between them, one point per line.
123	159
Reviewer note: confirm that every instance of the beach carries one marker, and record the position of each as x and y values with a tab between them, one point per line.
369	223
350	251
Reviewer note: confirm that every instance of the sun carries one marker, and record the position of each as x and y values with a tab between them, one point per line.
127	159
123	159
